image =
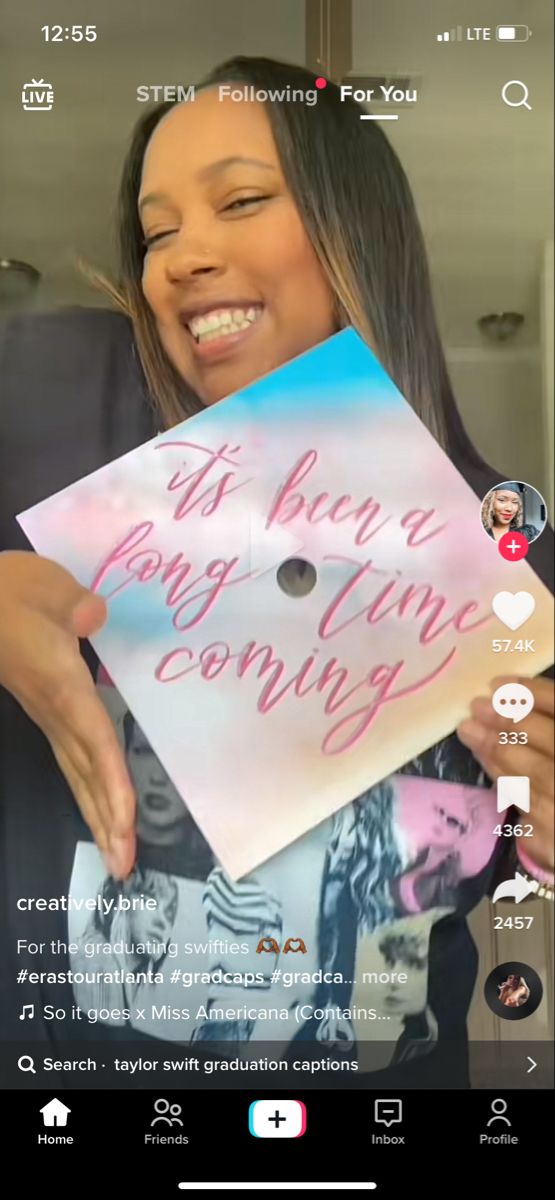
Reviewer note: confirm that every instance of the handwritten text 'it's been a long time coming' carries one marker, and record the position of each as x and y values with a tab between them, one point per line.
190	596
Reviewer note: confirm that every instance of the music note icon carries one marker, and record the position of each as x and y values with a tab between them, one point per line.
27	1010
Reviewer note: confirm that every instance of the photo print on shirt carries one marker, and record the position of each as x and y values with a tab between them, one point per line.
363	889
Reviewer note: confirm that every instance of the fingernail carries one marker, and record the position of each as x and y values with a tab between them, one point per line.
120	853
111	863
471	733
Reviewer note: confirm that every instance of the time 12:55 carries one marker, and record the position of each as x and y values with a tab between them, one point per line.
66	33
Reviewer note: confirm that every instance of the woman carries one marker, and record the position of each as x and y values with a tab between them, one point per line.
170	839
249	233
503	510
133	940
514	992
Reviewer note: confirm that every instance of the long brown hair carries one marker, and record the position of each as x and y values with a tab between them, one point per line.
358	211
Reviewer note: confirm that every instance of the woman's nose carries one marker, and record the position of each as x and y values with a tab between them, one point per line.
191	257
157	780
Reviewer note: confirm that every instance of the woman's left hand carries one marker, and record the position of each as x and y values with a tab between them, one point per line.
534	759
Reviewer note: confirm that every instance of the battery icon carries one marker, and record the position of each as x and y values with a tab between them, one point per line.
512	33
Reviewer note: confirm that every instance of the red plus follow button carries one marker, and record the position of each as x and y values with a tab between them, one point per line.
513	546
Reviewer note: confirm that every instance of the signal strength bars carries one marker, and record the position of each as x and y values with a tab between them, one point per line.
453	35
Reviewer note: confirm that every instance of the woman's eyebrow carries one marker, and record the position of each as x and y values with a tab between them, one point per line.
153	198
222	163
206	173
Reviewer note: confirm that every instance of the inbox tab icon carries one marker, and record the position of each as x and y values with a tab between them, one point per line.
513	790
388	1112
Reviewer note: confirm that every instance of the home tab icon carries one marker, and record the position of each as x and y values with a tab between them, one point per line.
55	1113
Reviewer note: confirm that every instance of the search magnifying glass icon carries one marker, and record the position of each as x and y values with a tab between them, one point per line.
26	1063
520	103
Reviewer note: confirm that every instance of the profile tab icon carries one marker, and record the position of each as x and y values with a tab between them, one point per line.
499	1108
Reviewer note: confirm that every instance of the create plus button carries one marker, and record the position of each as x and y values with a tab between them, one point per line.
277	1118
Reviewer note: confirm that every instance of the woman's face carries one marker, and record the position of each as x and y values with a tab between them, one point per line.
155	925
438	823
448	826
394	998
161	814
505	507
229	273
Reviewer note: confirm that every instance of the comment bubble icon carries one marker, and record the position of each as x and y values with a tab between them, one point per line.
388	1112
513	700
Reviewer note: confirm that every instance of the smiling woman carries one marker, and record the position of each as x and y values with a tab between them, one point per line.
229	274
288	220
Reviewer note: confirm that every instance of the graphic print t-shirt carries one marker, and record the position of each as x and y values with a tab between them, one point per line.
362	920
329	941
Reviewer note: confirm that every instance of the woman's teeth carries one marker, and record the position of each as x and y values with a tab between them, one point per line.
219	324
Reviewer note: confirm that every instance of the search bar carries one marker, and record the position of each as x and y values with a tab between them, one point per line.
276	1187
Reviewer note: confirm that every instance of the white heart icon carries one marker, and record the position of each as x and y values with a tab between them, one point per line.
513	608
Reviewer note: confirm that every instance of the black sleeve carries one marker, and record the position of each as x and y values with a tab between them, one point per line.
73	399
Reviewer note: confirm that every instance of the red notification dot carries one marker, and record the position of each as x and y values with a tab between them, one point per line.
513	546
321	82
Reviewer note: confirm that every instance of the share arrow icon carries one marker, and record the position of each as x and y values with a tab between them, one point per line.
515	889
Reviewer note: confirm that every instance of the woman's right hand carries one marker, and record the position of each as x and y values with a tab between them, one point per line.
43	613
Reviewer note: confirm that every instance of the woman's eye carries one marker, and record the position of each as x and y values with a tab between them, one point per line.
241	203
235	206
155	237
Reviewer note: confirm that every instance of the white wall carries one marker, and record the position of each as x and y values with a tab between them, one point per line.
498	392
